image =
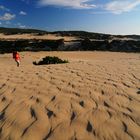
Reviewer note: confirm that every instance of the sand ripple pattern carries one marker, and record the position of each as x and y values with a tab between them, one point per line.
96	97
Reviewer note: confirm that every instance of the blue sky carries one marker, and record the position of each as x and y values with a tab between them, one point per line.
103	16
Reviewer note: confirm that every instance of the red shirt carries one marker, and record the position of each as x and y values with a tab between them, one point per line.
16	56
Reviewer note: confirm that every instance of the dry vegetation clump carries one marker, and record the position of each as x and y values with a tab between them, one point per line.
50	60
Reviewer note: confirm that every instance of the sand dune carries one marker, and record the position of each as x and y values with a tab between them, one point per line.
94	97
33	36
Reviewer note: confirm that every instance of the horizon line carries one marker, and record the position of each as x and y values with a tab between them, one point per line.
45	30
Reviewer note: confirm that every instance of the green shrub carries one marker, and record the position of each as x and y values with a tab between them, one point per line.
50	60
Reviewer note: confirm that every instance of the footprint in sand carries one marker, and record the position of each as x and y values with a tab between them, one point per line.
81	103
72	117
89	127
3	99
50	113
138	92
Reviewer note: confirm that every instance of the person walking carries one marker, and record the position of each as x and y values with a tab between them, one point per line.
16	56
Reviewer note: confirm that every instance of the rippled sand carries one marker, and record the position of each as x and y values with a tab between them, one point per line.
94	97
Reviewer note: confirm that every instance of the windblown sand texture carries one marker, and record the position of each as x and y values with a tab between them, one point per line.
94	97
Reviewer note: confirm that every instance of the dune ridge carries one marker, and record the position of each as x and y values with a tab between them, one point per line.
94	97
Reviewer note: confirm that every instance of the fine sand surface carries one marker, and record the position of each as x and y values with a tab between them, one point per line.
94	97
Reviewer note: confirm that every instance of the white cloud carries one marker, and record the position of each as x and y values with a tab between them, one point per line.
4	8
22	13
20	25
120	6
114	6
0	23
7	16
75	4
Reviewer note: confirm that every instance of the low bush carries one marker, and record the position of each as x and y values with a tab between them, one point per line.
50	60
